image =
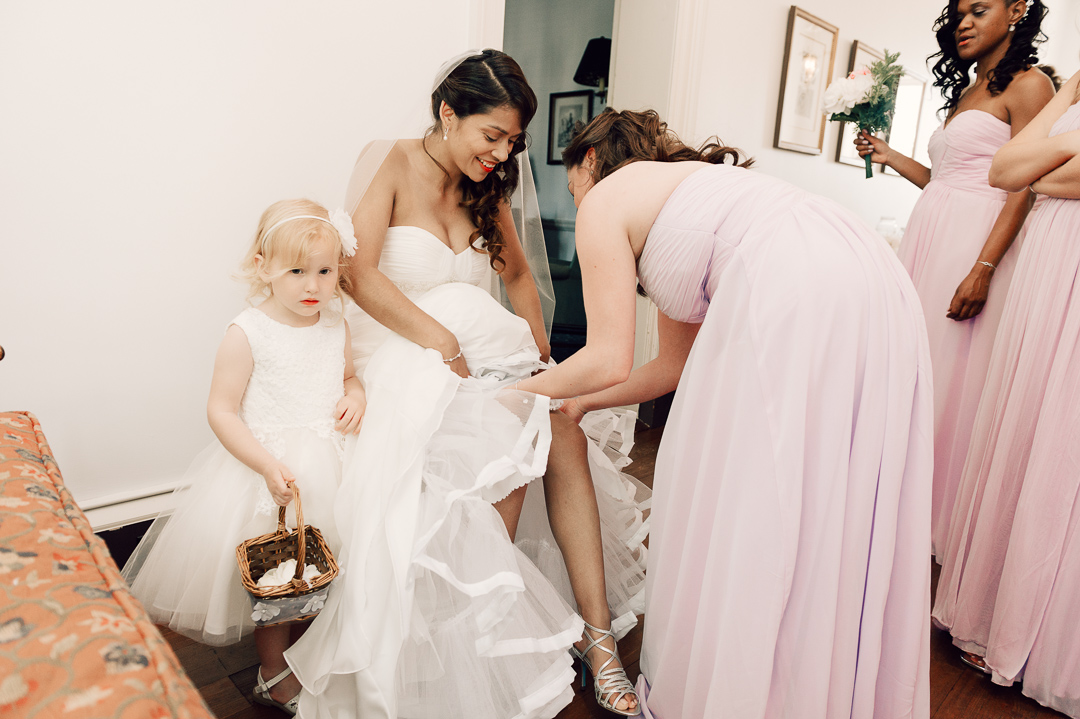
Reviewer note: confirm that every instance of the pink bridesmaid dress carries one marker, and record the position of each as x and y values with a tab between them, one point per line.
789	564
1010	581
945	234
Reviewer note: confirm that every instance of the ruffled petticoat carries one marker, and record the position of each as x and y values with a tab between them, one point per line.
184	570
437	613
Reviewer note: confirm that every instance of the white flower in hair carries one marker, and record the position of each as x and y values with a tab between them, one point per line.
343	224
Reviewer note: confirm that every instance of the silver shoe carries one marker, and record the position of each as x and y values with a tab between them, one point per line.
607	682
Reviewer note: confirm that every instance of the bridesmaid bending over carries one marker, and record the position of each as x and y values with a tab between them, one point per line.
789	560
957	242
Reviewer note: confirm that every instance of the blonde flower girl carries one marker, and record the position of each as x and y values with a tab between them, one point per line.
283	395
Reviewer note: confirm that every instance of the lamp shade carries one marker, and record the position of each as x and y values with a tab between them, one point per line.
593	68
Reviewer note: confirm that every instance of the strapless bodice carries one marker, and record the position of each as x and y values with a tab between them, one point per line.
961	153
416	261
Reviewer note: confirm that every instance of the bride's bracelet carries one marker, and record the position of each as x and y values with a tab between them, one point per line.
451	359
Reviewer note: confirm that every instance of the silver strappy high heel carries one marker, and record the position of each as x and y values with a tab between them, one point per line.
261	692
607	682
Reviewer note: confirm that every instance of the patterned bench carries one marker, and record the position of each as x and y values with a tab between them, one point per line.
74	642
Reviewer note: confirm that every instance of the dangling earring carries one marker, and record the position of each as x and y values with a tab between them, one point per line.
1012	28
446	129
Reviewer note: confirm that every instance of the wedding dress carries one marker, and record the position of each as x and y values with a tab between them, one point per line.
436	612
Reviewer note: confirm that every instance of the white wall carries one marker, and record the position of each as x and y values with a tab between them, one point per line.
141	142
547	39
1062	27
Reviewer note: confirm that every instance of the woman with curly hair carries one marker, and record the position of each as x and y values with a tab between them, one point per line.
1010	585
789	559
958	238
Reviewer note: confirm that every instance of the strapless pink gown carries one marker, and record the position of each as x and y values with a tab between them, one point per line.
1010	583
789	561
945	234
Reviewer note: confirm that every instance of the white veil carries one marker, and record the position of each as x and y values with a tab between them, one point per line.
523	203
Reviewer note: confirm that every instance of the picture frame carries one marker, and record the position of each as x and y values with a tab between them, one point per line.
809	57
567	109
910	101
846	153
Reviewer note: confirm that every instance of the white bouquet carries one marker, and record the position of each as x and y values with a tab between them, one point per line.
866	97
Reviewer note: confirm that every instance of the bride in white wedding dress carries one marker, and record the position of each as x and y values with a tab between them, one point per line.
438	613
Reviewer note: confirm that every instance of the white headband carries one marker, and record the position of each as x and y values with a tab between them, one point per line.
339	220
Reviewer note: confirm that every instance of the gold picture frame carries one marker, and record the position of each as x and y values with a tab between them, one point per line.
809	57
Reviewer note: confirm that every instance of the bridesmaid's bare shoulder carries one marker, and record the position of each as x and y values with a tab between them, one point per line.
633	195
1028	93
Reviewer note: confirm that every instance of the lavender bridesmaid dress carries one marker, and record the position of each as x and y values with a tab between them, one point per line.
945	234
789	566
1010	583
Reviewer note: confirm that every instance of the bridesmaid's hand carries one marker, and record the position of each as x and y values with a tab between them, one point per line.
877	148
971	294
572	409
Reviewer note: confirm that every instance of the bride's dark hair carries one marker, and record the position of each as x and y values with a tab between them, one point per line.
620	138
951	71
480	84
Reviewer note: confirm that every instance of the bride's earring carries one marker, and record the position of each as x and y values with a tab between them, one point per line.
446	129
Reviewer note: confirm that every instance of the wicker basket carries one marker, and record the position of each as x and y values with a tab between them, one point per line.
296	600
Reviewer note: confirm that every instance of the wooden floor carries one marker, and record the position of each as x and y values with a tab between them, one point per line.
226	675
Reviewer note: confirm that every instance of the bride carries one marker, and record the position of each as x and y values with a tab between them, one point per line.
437	611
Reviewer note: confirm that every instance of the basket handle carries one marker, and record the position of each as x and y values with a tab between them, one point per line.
300	534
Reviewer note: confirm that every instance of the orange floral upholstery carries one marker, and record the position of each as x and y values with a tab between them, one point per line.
74	642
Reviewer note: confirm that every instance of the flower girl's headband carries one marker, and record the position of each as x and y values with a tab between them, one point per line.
339	220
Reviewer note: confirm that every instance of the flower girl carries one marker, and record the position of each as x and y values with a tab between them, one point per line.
283	395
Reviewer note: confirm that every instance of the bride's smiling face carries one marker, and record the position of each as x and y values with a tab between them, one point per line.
478	143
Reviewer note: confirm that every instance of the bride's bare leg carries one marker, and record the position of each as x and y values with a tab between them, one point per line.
509	508
575	522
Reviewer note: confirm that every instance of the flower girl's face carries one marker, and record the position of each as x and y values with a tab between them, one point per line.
302	291
983	25
478	143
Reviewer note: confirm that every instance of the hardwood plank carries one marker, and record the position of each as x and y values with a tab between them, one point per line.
237	657
223	698
201	664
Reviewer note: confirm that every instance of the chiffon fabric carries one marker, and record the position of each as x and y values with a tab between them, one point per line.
945	234
437	613
184	570
789	571
1010	583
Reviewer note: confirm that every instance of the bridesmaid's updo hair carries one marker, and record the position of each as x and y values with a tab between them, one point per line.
480	84
620	138
951	71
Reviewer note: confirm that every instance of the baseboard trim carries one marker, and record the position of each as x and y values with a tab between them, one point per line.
118	510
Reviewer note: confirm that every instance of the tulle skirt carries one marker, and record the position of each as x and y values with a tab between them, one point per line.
437	613
184	570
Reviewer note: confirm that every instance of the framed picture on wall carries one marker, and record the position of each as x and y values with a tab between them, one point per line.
567	109
808	66
904	134
862	55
